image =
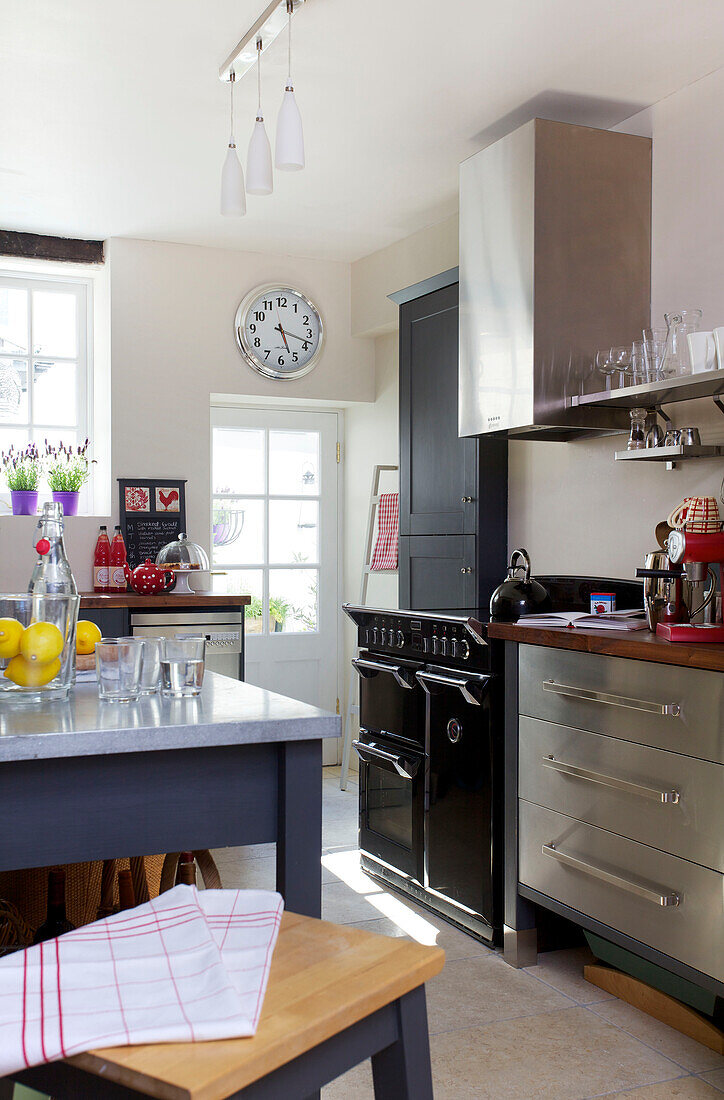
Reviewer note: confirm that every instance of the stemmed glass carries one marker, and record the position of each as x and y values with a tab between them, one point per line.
605	365
621	359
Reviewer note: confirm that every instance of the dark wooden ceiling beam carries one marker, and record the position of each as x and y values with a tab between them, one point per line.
37	246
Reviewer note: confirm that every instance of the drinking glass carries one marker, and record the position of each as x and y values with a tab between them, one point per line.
654	350
605	365
182	665
150	663
621	359
639	373
118	664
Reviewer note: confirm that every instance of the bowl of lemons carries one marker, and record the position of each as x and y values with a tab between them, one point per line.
37	646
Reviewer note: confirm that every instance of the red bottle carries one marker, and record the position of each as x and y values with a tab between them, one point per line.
118	560
102	562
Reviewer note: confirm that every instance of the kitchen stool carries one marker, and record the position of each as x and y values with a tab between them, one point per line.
336	996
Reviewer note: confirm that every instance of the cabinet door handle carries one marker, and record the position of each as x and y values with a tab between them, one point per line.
466	569
671	709
654	793
466	500
658	896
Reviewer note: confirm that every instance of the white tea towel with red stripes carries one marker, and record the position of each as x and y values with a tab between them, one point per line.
187	965
384	555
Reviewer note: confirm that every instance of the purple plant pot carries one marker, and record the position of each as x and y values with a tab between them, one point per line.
69	502
25	501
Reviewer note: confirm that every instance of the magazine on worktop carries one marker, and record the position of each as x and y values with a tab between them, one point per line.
633	619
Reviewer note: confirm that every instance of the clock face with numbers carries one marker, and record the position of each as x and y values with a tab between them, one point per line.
279	331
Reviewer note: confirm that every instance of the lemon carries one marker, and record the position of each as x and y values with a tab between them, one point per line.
10	633
87	635
41	642
29	674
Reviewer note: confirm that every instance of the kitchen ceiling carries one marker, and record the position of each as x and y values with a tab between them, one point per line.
114	122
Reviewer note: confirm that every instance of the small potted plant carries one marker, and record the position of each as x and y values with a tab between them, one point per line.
22	474
68	469
278	611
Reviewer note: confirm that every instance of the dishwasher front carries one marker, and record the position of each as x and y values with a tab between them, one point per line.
223	630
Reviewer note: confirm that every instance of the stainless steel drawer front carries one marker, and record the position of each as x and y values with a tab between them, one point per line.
622	884
185	618
633	700
663	799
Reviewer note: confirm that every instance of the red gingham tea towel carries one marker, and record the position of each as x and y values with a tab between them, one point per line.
184	966
384	555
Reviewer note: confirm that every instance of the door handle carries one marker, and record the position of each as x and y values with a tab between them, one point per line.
466	500
470	688
365	666
591	696
405	768
654	793
660	896
466	569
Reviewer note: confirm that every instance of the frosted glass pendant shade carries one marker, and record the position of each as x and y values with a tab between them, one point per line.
259	177
233	196
289	151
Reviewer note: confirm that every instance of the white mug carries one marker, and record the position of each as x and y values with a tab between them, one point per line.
703	351
719	345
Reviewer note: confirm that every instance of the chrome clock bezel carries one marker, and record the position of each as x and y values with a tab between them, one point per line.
247	352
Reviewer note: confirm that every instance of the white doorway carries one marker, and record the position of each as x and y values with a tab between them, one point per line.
275	536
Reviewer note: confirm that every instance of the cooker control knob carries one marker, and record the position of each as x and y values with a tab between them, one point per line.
443	646
383	636
425	645
435	644
453	647
400	640
464	649
373	635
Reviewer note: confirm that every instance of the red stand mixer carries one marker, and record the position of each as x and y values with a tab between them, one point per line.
697	552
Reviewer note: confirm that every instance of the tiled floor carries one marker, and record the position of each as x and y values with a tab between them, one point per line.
496	1032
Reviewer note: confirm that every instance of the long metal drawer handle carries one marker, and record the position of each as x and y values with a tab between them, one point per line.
404	679
672	709
658	897
654	793
462	683
403	767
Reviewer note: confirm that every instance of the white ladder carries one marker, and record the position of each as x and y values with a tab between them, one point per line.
352	707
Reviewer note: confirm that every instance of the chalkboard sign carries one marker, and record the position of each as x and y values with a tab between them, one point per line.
152	514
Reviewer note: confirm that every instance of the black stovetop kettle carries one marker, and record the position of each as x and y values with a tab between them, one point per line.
518	595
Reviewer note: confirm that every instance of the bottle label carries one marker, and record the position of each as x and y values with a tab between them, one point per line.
118	577
100	576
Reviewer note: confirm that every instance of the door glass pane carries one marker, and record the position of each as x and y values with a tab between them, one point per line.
244	582
238	460
13	320
238	531
293	600
14	390
54	395
54	324
293	530
388	799
294	462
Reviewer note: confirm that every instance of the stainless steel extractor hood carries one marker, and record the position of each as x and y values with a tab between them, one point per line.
555	262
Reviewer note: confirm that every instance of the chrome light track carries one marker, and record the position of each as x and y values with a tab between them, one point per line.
269	24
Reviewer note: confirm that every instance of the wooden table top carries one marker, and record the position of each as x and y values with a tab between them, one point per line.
639	645
97	601
324	978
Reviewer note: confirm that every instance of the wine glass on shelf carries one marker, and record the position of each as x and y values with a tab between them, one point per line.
605	365
621	359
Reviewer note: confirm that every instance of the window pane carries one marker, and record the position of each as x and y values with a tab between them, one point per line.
245	582
293	600
238	532
15	437
55	436
13	320
54	324
293	530
238	460
294	462
54	396
14	390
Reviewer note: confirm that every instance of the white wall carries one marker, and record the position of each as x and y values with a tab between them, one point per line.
172	344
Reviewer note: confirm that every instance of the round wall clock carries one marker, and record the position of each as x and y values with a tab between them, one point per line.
279	331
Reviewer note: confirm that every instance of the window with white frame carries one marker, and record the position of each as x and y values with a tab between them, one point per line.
45	360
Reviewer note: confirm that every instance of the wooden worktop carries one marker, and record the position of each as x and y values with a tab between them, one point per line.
98	602
638	645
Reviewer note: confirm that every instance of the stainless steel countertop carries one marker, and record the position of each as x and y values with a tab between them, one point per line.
228	712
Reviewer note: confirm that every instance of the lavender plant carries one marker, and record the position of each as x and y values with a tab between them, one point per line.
68	468
22	469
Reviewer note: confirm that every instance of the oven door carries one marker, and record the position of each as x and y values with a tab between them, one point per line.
391	702
392	803
460	826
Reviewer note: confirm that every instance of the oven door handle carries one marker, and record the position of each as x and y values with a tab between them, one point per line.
406	768
367	667
471	689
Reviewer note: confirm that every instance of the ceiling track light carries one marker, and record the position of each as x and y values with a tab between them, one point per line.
272	21
259	175
233	194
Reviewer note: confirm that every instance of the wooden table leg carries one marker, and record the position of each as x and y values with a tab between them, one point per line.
299	830
402	1070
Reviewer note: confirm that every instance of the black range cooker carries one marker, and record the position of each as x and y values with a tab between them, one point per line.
430	749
